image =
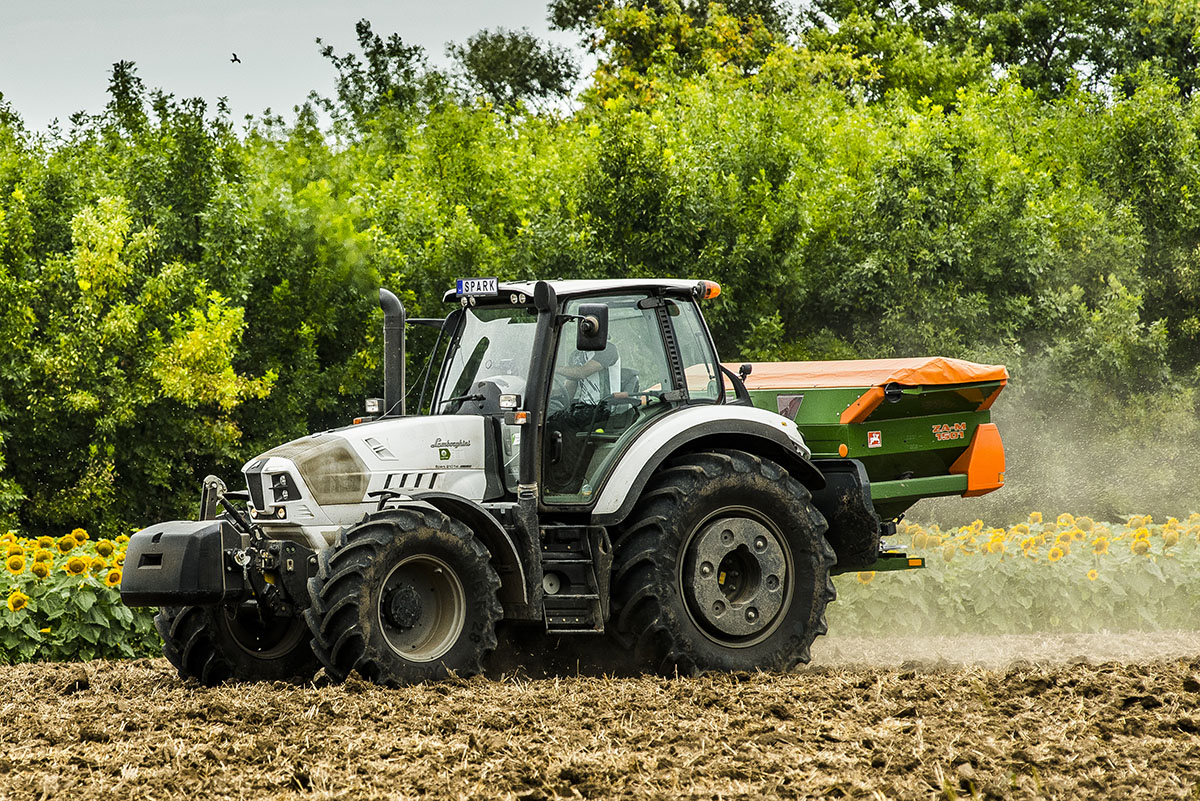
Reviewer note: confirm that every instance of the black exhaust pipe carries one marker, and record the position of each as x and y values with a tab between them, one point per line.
393	353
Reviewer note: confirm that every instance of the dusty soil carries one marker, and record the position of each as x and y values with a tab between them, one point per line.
1035	718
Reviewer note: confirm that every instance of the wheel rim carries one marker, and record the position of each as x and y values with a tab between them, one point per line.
736	577
422	608
264	640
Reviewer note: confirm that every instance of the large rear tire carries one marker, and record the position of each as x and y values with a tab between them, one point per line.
723	565
404	596
213	644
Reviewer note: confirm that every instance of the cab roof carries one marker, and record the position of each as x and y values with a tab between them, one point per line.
577	287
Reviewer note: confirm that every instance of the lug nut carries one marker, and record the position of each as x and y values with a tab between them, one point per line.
751	615
760	543
706	569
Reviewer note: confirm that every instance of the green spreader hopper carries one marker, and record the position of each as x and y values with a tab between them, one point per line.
921	427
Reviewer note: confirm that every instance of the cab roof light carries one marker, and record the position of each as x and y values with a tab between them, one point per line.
707	290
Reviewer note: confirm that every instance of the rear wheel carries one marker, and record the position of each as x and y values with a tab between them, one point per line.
214	643
723	565
404	596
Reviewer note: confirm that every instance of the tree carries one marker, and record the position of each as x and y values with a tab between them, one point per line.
511	67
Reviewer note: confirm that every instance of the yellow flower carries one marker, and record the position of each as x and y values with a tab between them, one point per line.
920	540
66	543
17	601
45	543
43	556
8	536
1100	545
1093	574
1170	538
1142	533
1085	523
14	549
122	539
1137	521
44	631
114	577
948	552
1140	547
105	547
80	535
76	566
1194	517
1035	518
1055	554
40	569
1020	530
15	563
1064	520
98	563
119	559
995	546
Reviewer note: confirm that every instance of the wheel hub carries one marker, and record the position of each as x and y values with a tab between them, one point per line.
422	608
735	575
403	606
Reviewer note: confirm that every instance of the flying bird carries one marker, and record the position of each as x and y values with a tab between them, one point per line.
235	59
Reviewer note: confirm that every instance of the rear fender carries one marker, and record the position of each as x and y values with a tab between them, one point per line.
854	527
695	428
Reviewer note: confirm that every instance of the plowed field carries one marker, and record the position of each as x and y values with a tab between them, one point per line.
1095	717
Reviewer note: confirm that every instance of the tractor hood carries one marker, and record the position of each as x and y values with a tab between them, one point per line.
327	477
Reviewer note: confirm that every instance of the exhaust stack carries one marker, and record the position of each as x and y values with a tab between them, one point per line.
393	354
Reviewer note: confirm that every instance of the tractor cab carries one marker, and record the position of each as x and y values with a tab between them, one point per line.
576	372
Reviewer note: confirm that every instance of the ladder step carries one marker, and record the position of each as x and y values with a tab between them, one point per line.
565	596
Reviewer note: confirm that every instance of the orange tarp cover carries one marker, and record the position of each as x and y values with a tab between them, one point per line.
870	373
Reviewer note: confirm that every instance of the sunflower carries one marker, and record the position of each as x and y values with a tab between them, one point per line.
76	566
98	564
1020	530
995	546
1055	553
1100	545
8	536
119	559
66	543
15	563
45	543
79	535
1093	574
920	540
114	577
122	539
1142	533
17	601
1035	518
948	552
105	547
1085	523
1170	538
40	569
1136	521
13	548
1064	520
1140	547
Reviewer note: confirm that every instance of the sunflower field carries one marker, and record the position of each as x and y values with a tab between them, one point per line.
1060	574
63	601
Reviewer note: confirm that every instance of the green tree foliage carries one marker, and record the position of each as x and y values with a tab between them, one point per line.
511	67
1046	45
176	297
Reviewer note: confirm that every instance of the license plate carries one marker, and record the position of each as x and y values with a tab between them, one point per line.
478	286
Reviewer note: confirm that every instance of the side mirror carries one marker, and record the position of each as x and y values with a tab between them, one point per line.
592	333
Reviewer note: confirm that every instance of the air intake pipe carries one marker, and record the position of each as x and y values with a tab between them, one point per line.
393	353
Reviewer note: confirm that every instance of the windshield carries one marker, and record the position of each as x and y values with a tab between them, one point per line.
492	345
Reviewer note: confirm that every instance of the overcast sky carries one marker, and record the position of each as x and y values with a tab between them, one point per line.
56	55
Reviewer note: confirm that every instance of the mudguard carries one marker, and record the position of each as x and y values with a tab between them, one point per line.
717	426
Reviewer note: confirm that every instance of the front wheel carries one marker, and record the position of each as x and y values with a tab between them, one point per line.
723	565
214	643
404	596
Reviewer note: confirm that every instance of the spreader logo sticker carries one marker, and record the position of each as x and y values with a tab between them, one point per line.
948	431
874	439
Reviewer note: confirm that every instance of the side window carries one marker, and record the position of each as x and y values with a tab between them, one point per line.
599	398
699	362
